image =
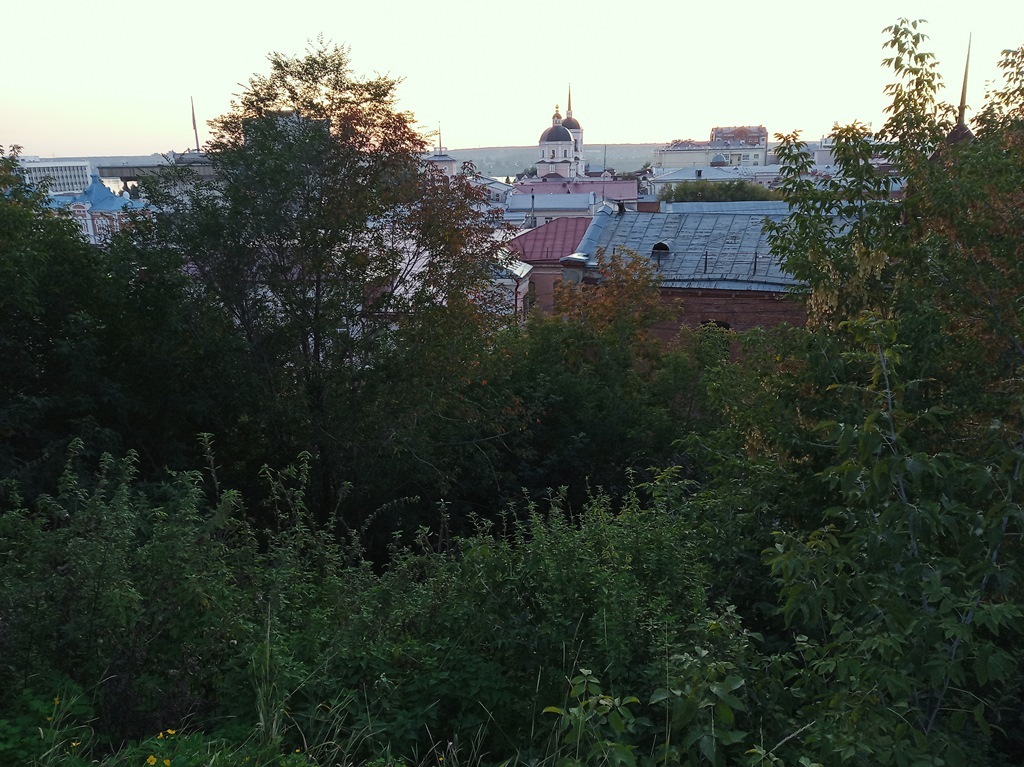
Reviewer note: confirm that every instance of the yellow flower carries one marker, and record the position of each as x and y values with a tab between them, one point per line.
171	732
75	743
56	701
151	761
160	736
167	762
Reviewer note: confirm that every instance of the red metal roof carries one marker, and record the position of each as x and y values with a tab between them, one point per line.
551	241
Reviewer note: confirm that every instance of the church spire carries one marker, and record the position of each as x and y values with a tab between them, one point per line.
963	93
568	107
960	131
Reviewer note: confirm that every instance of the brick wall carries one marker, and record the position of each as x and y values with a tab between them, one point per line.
738	309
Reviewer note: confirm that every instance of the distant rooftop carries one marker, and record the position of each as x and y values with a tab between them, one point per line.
549	242
716	246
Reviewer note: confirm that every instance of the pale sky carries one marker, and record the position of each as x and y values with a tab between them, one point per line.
115	79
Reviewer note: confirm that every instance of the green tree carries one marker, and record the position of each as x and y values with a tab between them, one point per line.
49	275
103	343
597	395
897	417
717	191
351	272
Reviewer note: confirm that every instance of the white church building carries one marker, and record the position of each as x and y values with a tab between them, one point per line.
561	146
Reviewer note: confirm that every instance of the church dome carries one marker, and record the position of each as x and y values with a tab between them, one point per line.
556	133
571	123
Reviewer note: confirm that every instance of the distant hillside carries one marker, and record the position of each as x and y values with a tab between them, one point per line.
503	161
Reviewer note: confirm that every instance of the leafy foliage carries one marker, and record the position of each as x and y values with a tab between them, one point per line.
895	571
99	344
163	607
343	263
717	191
599	399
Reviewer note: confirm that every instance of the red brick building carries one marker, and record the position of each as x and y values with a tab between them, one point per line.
713	258
543	247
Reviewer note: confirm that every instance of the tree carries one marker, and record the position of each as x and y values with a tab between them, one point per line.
331	246
717	191
49	275
599	399
102	343
897	417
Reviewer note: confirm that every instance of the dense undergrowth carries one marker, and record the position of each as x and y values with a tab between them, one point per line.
152	618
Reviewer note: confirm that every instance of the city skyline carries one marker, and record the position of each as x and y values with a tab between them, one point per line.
121	82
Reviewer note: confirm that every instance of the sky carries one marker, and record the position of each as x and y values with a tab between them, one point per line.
91	81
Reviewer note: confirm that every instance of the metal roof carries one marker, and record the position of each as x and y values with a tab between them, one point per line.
569	201
716	246
706	173
98	197
556	133
548	242
603	188
771	208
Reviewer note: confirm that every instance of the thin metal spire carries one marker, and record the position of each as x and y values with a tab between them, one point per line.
568	108
963	93
195	130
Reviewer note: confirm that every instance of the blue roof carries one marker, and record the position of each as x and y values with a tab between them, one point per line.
97	197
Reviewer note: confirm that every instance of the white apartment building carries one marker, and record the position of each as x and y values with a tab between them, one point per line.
58	176
728	147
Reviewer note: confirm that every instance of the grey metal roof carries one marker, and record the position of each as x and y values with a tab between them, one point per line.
570	201
707	173
717	246
746	207
556	133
